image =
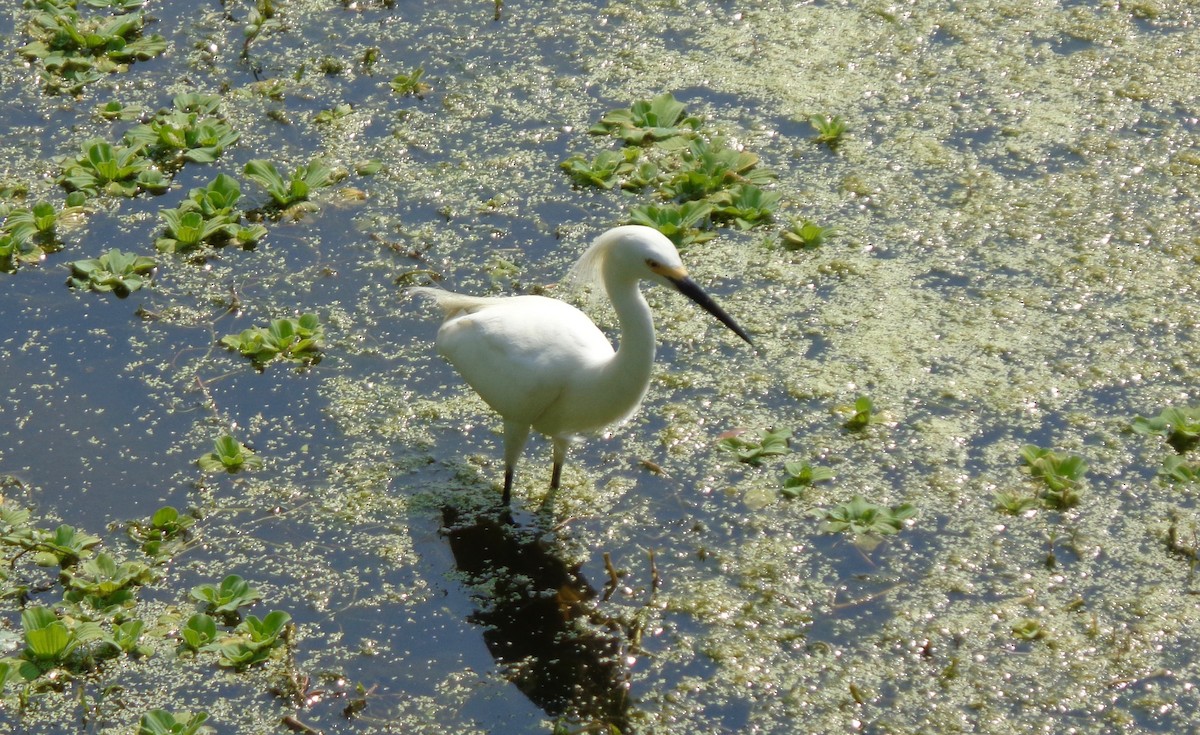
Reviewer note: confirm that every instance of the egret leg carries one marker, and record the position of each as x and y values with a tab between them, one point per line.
515	436
560	455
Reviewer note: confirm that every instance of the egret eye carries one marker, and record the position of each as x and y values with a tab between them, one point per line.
652	263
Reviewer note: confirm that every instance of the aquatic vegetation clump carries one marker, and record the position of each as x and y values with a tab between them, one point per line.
164	534
1180	426
1061	476
807	235
802	475
226	598
208	218
772	443
115	271
865	521
119	171
75	51
291	194
28	234
860	415
411	84
695	183
298	340
190	132
830	129
229	455
648	121
162	722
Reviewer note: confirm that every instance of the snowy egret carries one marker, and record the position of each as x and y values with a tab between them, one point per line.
542	364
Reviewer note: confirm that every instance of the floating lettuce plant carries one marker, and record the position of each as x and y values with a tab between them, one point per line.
226	598
681	223
103	582
163	534
830	129
1178	469
696	183
605	170
753	451
162	722
229	455
706	168
298	340
648	121
807	235
252	641
744	206
208	217
115	271
102	168
295	190
1061	475
867	522
410	84
76	51
191	132
801	475
1181	427
860	415
28	234
199	632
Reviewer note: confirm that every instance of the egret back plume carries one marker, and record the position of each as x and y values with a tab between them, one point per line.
451	304
589	269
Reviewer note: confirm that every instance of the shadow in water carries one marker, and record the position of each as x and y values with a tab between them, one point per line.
538	620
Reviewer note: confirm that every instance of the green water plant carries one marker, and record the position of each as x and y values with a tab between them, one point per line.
807	235
65	546
605	171
1015	502
229	455
830	129
162	722
1061	476
65	645
772	443
648	121
115	271
802	475
199	632
226	599
163	534
1178	469
74	51
252	641
705	168
744	206
1028	629
208	217
867	522
103	583
1180	426
298	340
102	168
411	84
28	234
191	132
683	223
295	190
860	415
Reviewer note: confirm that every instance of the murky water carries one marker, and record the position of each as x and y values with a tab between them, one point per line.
1017	200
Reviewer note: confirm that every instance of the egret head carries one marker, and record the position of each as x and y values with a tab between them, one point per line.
636	252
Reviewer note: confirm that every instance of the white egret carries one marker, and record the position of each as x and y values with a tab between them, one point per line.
542	364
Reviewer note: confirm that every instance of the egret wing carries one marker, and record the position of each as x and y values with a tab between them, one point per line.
519	353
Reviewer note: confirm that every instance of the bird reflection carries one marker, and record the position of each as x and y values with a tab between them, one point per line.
538	622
